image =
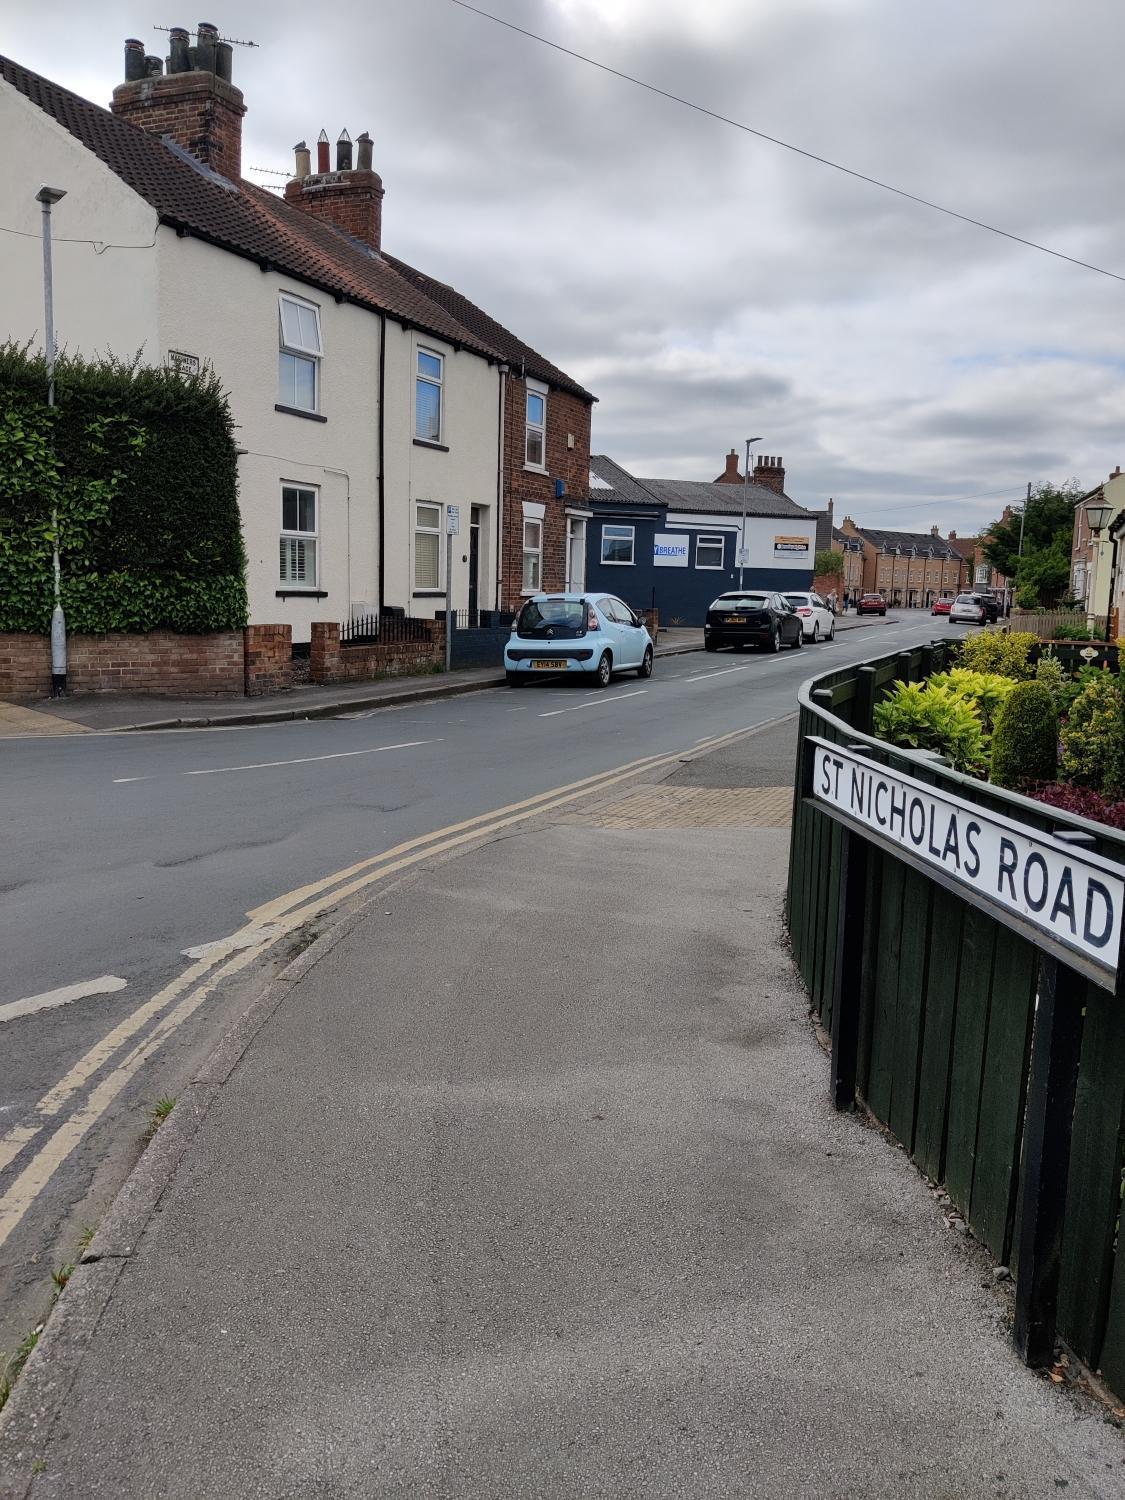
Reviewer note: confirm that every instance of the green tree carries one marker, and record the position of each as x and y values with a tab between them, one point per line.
1043	568
829	564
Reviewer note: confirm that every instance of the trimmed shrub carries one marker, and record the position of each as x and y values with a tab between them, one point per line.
1002	651
1051	672
1092	736
1069	631
140	465
1025	746
1073	687
921	717
987	691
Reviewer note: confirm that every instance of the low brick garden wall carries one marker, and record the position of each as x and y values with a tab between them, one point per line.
161	662
329	661
226	664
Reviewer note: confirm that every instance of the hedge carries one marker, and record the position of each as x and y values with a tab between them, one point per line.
140	463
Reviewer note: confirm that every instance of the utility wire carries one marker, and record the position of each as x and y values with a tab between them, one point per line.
788	145
100	246
949	499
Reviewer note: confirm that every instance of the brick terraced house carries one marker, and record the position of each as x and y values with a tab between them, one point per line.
910	569
367	396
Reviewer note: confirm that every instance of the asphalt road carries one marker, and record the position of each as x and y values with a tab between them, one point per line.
134	859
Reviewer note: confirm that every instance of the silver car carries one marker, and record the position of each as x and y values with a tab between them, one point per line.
967	610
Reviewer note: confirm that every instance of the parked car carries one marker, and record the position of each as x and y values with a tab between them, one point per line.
990	604
968	609
943	605
597	634
817	619
752	617
871	604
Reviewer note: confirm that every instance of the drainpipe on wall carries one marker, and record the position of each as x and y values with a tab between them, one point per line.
347	478
382	482
500	493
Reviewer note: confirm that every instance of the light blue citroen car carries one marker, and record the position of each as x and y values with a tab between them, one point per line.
593	633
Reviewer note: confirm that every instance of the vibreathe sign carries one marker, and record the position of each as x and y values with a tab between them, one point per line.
1063	898
669	550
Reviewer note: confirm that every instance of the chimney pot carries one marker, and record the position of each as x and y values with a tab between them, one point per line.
154	67
224	61
134	60
343	152
303	157
179	50
323	153
207	38
366	146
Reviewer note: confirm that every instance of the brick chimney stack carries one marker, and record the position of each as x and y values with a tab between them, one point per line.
770	474
190	99
730	474
351	198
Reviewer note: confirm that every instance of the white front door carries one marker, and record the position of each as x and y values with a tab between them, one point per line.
575	554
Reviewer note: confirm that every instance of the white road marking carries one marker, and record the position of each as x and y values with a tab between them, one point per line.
593	703
722	672
121	780
106	985
305	760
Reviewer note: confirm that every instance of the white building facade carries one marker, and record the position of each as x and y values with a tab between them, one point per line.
362	409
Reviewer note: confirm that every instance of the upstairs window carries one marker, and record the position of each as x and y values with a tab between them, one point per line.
532	556
535	441
428	383
299	536
298	363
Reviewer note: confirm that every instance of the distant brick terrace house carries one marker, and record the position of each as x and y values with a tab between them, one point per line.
673	544
368	396
1090	555
910	569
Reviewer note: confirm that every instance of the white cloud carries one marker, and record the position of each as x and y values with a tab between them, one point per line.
705	284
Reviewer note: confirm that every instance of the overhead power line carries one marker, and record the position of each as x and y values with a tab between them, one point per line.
774	140
949	499
100	246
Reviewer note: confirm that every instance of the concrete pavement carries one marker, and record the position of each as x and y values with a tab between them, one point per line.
528	1186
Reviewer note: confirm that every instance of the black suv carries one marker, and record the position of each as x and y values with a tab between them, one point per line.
991	606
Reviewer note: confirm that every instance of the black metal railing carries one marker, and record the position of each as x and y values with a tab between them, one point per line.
384	629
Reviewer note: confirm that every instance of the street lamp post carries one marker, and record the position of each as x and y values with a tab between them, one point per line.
47	197
742	528
1097	515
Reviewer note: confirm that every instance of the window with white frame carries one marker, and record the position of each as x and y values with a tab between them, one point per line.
708	551
617	545
535	441
532	556
299	536
298	360
427	546
428	392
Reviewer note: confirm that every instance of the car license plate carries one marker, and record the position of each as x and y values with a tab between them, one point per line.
735	620
549	666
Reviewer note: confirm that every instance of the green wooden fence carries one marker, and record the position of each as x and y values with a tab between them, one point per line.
947	1007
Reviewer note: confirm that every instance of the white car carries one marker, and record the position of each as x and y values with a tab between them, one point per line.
818	623
967	610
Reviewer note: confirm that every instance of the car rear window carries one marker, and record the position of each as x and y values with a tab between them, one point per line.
563	617
965	599
799	601
742	601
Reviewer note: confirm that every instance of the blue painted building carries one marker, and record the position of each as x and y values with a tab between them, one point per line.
674	544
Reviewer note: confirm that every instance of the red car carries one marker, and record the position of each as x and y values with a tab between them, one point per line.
871	604
942	606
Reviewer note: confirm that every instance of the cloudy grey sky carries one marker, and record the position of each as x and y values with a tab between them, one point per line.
706	285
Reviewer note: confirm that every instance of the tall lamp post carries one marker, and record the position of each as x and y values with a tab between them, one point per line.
47	197
1097	514
742	528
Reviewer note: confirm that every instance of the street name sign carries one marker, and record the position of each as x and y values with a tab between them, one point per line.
1062	898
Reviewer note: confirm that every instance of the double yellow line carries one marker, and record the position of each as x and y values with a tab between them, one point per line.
267	924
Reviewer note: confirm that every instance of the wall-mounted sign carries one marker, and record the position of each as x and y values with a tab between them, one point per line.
183	364
669	550
453	520
1060	897
791	546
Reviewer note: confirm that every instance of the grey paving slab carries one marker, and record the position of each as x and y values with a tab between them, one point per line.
530	1187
